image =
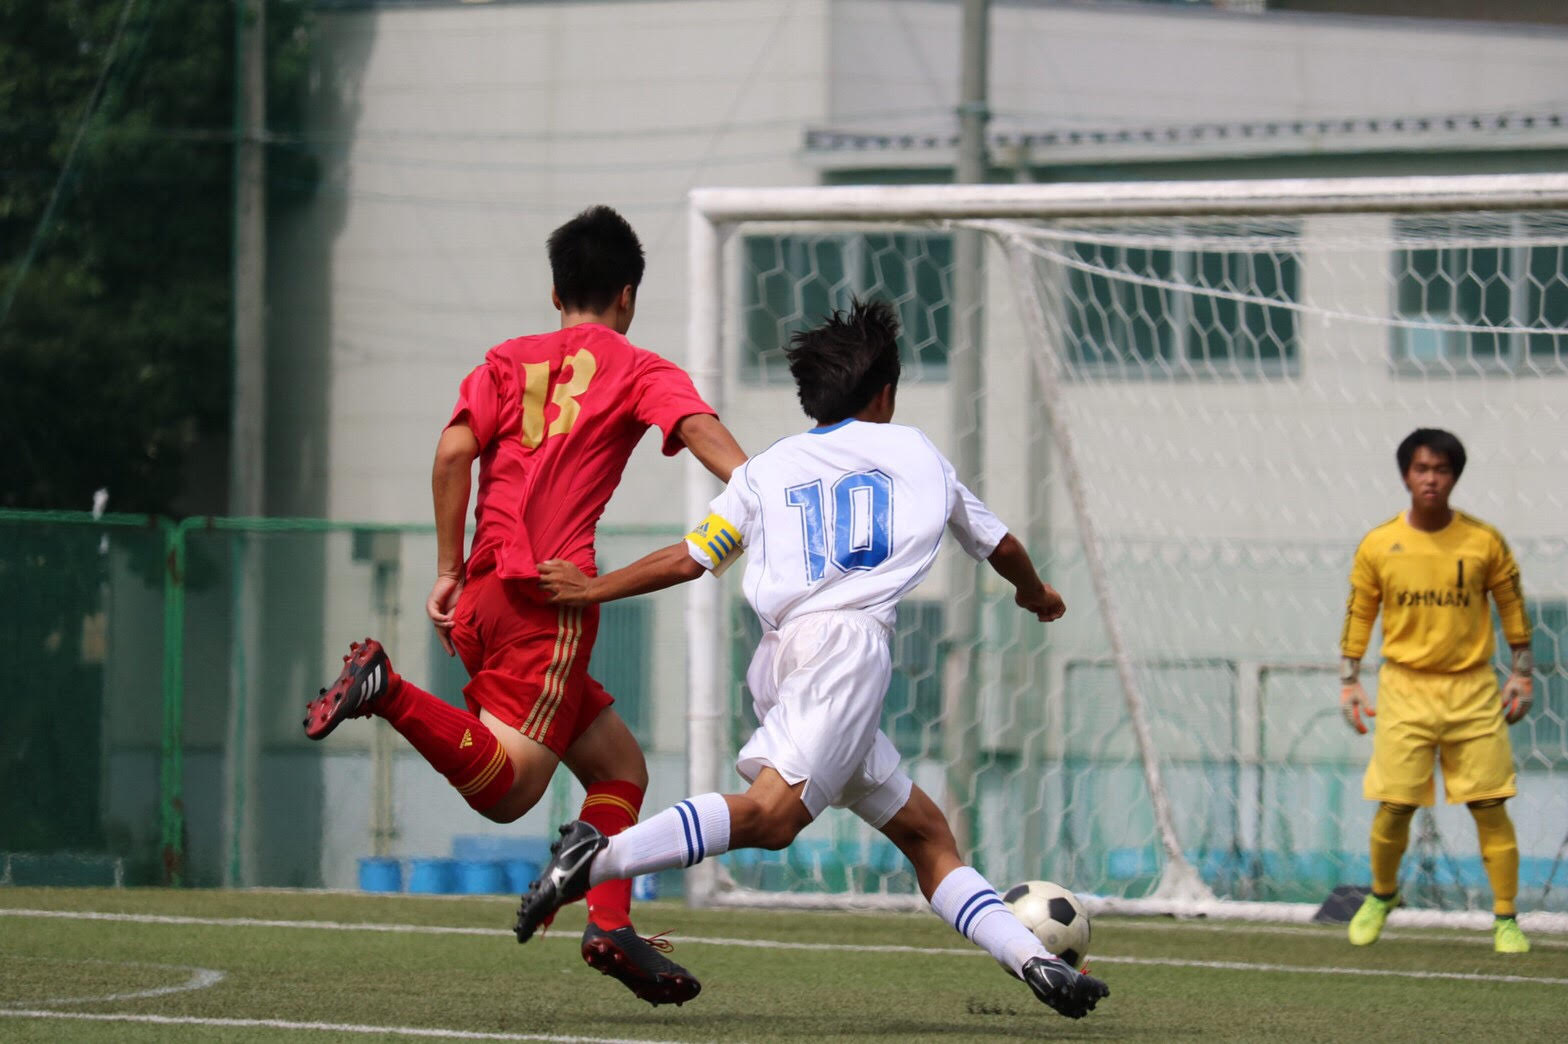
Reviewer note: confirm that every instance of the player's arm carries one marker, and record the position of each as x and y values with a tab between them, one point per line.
983	536
1012	563
450	481
666	567
711	442
1508	594
1361	609
712	546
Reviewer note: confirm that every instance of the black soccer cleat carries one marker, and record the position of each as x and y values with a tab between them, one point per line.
364	679
564	878
639	964
1070	993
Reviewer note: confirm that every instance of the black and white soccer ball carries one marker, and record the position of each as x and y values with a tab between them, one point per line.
1055	916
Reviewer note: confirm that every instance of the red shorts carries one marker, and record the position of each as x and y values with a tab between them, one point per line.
527	660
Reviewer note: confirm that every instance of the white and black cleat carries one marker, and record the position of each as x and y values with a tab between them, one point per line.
1068	992
564	878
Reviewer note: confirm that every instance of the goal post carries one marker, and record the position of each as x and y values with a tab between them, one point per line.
1191	400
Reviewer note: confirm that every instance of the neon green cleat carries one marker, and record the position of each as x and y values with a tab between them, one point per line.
1367	925
1508	937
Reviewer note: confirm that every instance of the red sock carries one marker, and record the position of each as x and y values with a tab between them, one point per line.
456	743
612	807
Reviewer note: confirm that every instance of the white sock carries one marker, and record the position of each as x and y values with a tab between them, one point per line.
688	833
967	901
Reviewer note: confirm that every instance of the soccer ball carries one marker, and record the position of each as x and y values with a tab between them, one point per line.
1055	916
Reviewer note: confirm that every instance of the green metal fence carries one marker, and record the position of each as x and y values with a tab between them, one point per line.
156	672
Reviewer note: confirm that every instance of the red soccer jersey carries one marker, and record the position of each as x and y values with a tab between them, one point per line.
556	416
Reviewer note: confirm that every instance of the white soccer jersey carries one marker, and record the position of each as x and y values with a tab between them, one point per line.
846	516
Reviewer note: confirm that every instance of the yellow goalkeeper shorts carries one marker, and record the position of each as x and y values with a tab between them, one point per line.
1456	717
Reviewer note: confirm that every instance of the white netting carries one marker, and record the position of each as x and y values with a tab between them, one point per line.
1202	410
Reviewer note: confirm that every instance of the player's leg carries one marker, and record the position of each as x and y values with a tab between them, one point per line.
609	763
769	815
1500	856
965	900
457	743
1478	769
1390	836
1399	778
494	752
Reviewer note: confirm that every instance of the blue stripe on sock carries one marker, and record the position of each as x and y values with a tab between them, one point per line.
972	909
963	911
680	810
696	827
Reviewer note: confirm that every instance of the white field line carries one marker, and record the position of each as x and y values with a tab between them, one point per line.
323	1027
200	979
1298	969
772	944
1239	928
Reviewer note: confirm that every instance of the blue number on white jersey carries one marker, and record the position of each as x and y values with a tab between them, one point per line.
808	497
862	522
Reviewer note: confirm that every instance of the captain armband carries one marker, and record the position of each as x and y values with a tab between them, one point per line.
1349	670
1524	661
718	541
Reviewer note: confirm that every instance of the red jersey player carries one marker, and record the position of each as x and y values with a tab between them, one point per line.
552	419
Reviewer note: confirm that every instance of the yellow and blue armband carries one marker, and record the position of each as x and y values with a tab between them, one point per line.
718	541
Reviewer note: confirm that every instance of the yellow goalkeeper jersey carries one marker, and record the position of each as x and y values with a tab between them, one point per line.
1432	588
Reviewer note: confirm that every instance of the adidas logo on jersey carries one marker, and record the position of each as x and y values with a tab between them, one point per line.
1396	547
468	739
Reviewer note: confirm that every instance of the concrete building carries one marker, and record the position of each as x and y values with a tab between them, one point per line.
456	135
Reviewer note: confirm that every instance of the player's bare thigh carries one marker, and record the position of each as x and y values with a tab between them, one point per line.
770	814
532	766
921	832
607	751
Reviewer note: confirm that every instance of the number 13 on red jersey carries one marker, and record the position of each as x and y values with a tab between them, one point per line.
536	385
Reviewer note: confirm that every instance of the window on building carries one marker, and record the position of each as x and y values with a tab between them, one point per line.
791	282
1201	311
1493	299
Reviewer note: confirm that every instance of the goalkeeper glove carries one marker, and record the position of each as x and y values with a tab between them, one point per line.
1352	703
1519	690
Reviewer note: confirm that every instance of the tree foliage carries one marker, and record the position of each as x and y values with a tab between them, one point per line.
115	351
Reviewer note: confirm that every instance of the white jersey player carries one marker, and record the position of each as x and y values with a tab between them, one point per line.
837	524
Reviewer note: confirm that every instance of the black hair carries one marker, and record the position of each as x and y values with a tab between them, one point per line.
1438	441
841	365
593	257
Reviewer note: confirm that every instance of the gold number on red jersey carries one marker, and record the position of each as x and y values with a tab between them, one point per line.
584	366
536	381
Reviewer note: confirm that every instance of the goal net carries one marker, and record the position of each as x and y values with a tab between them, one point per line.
1186	398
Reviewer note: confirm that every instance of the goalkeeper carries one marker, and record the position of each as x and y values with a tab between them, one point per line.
1430	569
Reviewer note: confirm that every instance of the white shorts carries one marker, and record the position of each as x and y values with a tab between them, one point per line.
818	685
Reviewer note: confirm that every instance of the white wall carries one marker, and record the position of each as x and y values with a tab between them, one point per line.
1055	65
457	138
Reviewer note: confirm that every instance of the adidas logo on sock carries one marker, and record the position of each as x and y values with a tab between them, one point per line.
468	739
